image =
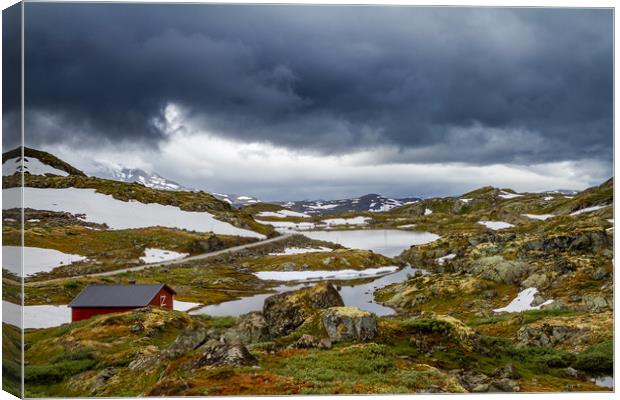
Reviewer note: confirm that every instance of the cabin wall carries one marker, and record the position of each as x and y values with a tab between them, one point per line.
167	299
80	313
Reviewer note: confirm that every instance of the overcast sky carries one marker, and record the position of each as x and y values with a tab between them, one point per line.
292	102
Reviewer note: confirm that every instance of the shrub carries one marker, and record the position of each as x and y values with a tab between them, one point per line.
50	373
598	358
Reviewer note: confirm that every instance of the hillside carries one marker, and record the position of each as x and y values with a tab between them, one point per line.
491	291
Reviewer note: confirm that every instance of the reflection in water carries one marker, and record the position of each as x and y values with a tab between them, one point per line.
355	294
389	242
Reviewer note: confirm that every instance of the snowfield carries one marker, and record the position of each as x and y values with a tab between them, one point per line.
523	302
322	275
541	217
301	250
589	209
152	255
102	208
496	225
43	316
282	214
35	259
32	165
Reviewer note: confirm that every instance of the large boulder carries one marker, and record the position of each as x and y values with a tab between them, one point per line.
252	328
498	269
285	312
349	324
220	353
187	341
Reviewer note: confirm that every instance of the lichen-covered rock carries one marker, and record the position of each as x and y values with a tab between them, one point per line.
187	341
568	333
309	341
498	269
349	324
220	353
285	312
252	328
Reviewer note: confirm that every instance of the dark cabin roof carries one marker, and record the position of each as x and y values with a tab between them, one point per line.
117	295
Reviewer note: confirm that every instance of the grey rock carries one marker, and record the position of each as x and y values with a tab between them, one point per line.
218	353
349	324
187	341
285	312
252	328
309	341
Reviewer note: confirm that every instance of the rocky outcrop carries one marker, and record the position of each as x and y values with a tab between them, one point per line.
586	240
568	333
221	353
349	324
498	269
285	312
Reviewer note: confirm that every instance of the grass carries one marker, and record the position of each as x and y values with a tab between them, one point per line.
361	368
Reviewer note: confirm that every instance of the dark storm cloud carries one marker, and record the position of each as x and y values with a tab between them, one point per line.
442	84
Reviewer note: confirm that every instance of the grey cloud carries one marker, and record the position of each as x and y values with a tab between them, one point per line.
330	79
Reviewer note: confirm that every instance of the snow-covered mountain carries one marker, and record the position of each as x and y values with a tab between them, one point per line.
156	181
369	202
149	179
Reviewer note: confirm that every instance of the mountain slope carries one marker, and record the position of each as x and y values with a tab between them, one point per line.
131	193
11	163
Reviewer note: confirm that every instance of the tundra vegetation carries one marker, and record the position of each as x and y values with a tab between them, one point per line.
445	334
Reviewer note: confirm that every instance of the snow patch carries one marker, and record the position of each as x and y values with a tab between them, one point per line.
347	221
406	226
496	225
442	260
428	211
301	250
36	259
466	200
31	165
282	214
541	217
152	255
102	208
322	275
508	195
42	316
184	305
523	302
589	209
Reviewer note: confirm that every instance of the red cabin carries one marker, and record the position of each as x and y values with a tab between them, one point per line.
106	299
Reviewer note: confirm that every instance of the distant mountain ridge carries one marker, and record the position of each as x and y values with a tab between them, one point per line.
370	202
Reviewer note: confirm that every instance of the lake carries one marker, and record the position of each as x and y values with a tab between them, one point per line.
389	242
354	294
